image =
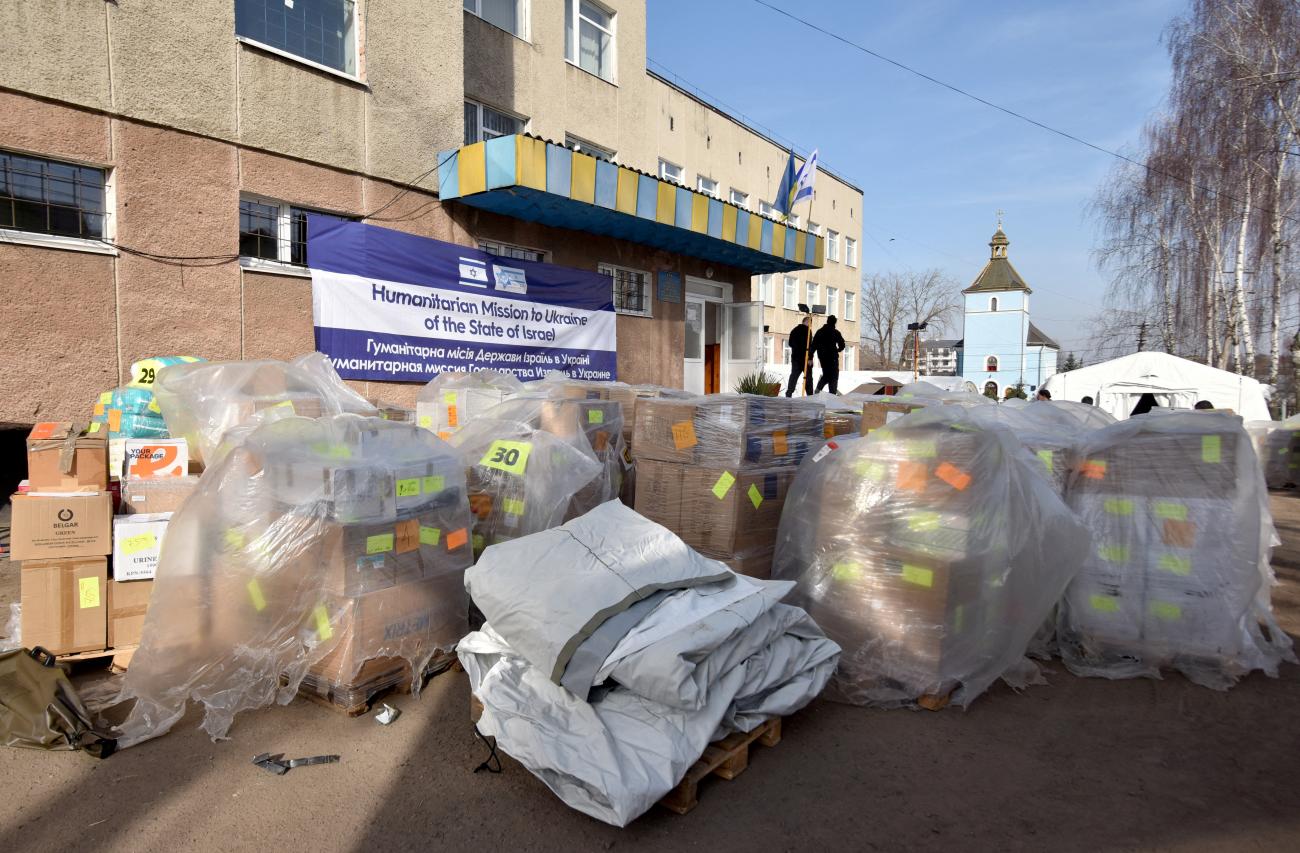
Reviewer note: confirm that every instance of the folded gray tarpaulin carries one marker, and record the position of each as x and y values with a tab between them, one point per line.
715	652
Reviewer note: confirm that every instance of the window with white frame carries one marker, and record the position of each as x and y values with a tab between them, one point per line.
589	37
812	294
482	122
850	363
793	220
672	172
509	15
832	246
767	210
51	197
785	349
767	289
708	186
791	294
275	231
814	228
323	32
585	147
739	199
631	289
832	301
850	251
850	306
514	253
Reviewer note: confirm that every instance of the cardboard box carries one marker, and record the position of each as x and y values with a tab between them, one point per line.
137	542
166	494
665	431
877	413
154	458
49	526
755	565
127	605
659	492
410	620
65	604
63	459
732	514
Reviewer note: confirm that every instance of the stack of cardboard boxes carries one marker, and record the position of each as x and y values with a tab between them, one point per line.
716	470
1174	511
62	535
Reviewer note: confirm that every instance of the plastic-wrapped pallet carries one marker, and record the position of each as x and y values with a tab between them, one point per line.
522	479
930	551
1277	444
453	399
331	550
715	470
214	404
559	386
318	366
1179	573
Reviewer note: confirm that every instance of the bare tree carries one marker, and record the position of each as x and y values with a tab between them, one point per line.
893	299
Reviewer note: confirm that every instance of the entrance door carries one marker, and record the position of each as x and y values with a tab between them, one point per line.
744	338
693	377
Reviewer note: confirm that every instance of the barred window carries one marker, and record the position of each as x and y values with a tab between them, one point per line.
515	253
273	231
483	122
631	290
51	197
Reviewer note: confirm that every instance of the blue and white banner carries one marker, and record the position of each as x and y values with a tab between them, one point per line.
396	307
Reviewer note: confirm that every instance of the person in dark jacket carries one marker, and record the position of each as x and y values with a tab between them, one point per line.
828	343
799	360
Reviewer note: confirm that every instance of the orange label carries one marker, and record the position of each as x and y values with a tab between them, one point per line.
99	410
779	444
153	461
114	420
953	476
45	429
911	476
600	441
1093	469
452	419
444	435
684	435
457	539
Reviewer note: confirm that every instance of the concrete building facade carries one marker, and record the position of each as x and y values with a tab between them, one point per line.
158	160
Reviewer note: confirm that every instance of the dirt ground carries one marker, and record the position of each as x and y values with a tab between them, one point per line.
1079	764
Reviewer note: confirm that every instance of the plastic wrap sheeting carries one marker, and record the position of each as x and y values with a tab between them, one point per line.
334	548
318	366
1179	575
931	551
214	405
522	479
1277	445
453	399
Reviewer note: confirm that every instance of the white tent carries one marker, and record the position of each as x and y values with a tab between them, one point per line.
1116	385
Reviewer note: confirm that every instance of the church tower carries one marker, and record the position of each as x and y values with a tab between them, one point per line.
1001	348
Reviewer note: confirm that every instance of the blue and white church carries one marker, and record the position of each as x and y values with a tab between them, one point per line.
1000	348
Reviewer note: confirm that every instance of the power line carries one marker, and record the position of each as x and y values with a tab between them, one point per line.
1007	110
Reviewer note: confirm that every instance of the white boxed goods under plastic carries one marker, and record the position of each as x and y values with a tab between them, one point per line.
1179	575
137	542
453	399
313	548
614	654
931	551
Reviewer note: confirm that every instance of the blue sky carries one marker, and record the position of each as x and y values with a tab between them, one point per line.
935	166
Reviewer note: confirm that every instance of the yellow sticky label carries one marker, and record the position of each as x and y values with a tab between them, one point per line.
323	628
154	407
104	399
449	398
430	535
1170	510
94	427
408	488
379	543
147	371
846	571
255	595
723	485
88	592
755	496
433	485
332	451
513	506
234	539
1104	603
923	521
1211	449
922	449
508	456
425	421
1046	457
1165	610
138	543
874	471
595	416
918	575
1118	506
283	404
1113	553
1181	566
684	435
479	542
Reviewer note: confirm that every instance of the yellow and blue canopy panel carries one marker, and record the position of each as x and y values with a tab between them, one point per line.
528	178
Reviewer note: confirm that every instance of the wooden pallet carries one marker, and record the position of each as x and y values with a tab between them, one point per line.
357	701
727	758
121	656
934	701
